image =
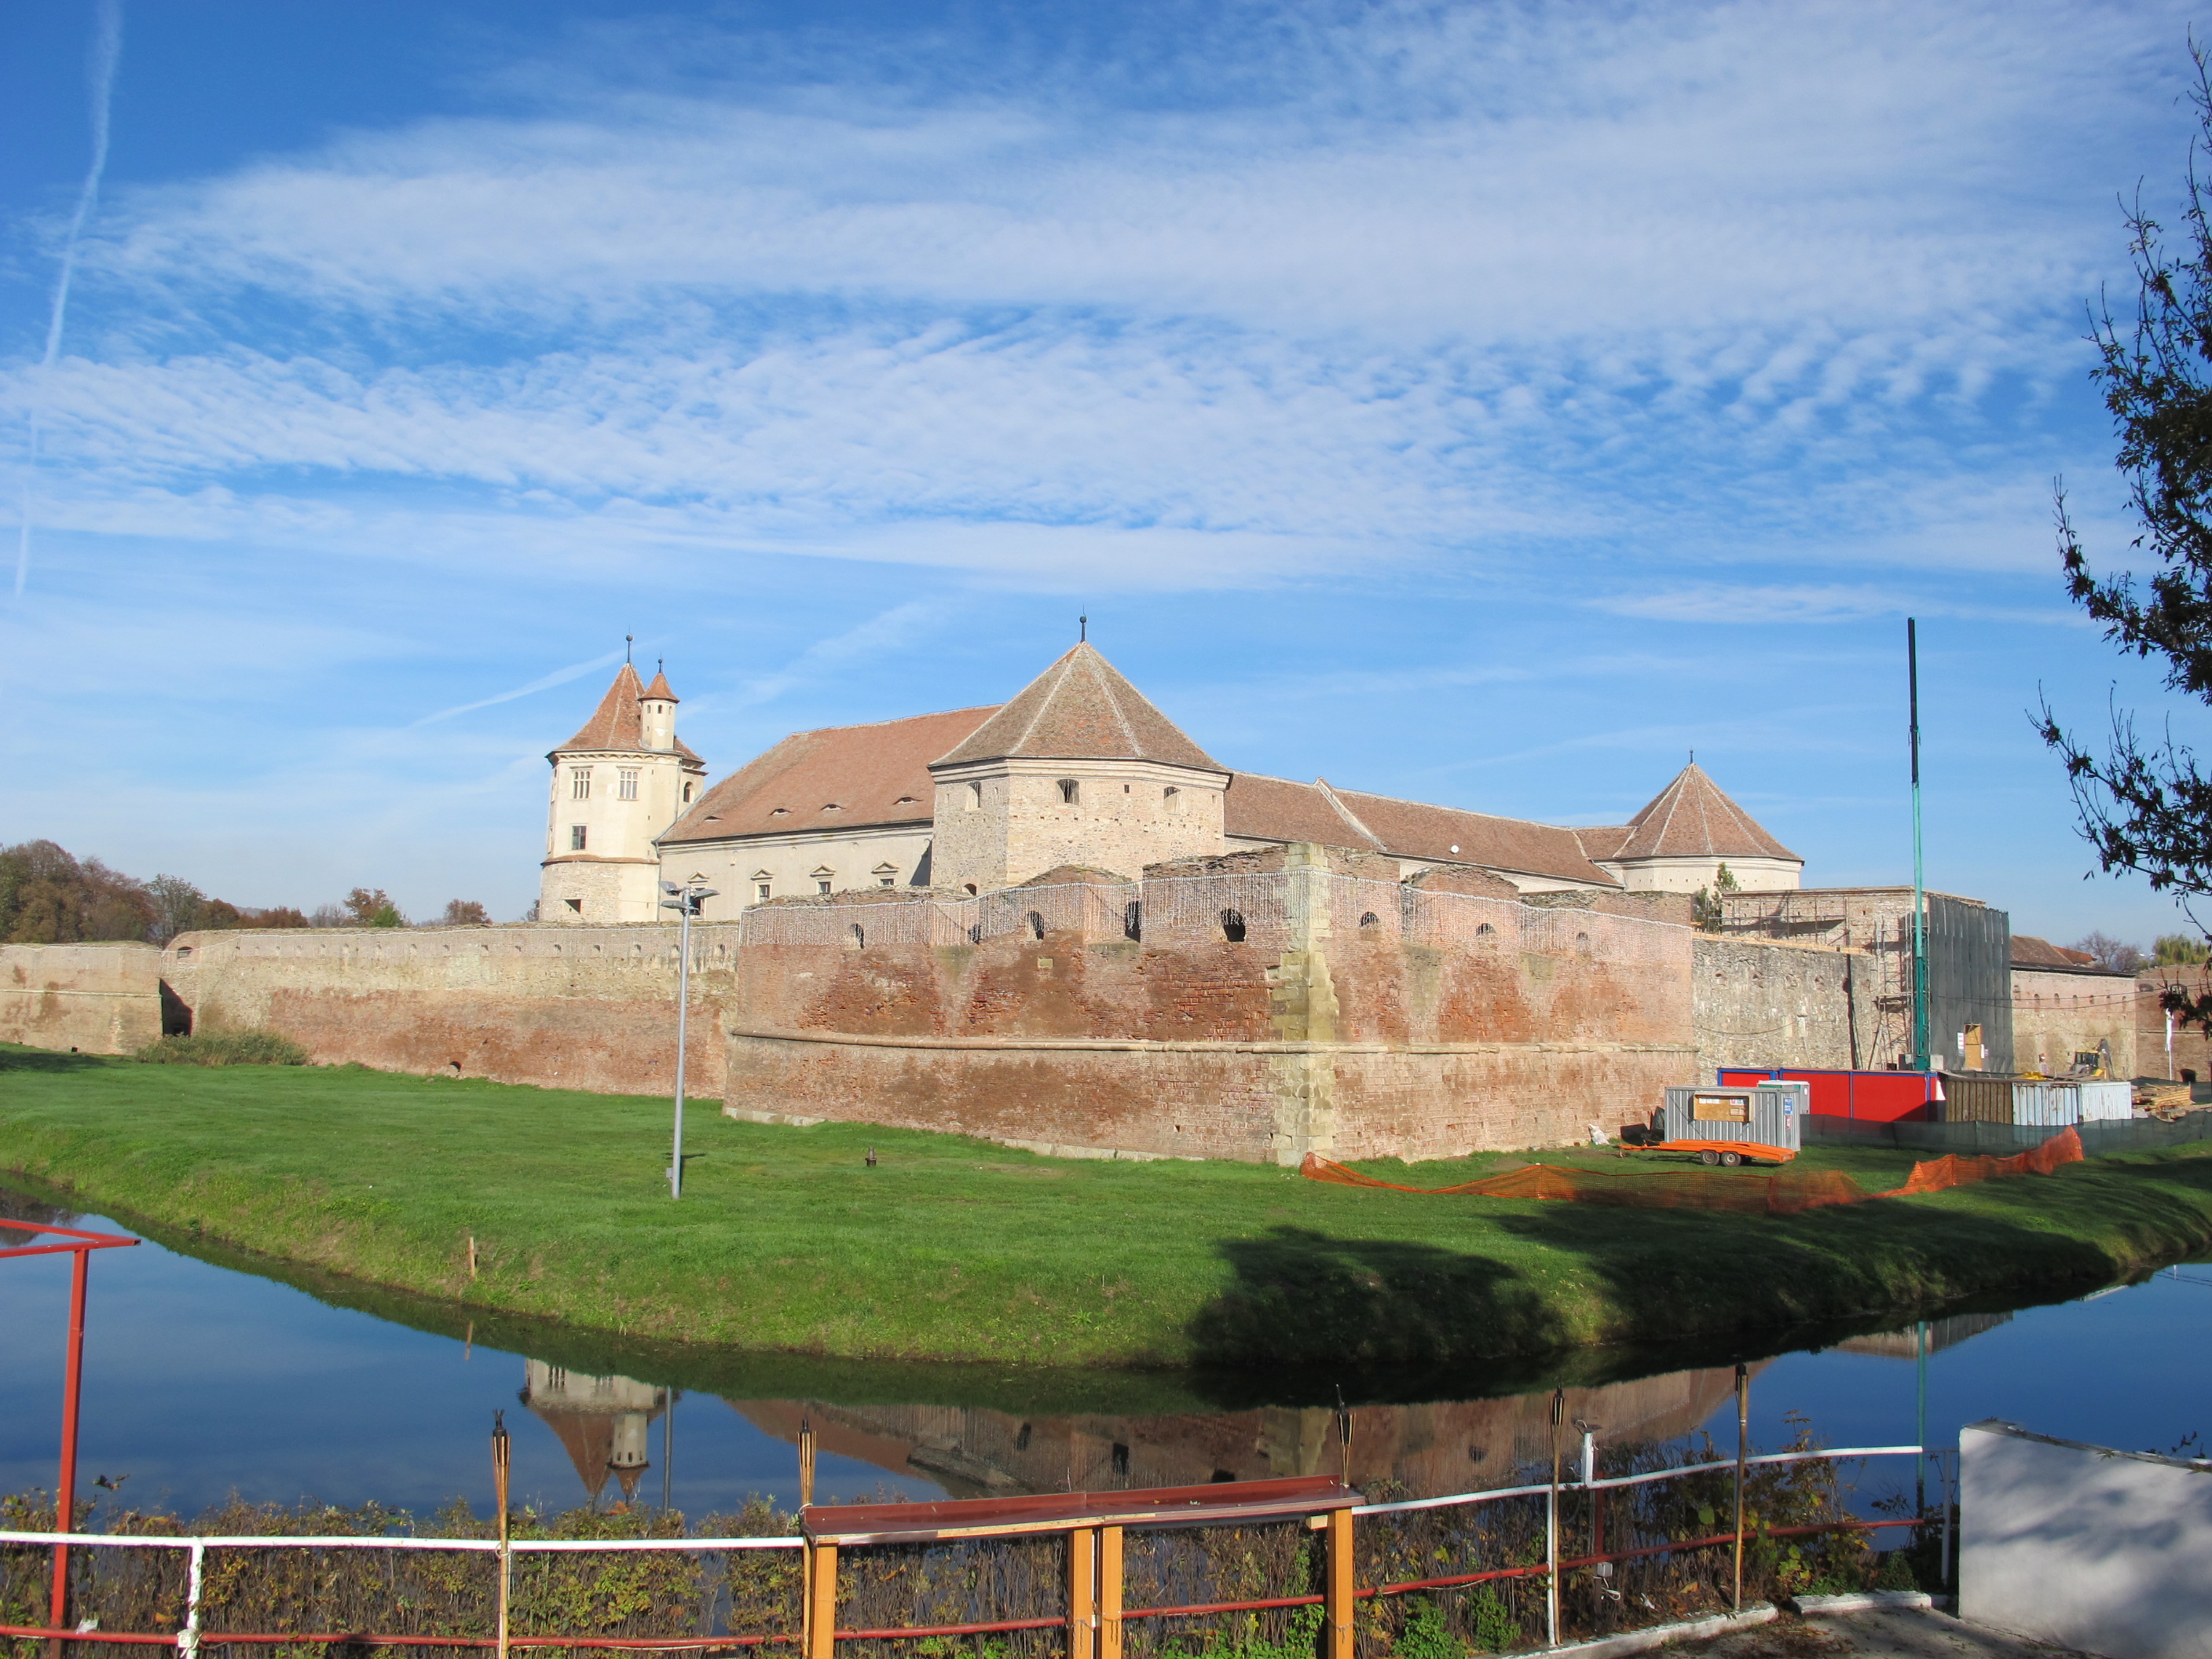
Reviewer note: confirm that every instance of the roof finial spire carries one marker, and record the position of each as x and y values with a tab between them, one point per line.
627	640
1081	629
1693	757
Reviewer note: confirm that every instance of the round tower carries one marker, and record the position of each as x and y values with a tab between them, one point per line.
620	781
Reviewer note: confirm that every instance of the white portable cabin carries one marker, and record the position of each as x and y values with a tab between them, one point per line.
1768	1113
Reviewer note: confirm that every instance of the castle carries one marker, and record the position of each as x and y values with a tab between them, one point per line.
1078	770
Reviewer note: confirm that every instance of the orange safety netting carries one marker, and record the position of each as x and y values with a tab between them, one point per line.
1719	1189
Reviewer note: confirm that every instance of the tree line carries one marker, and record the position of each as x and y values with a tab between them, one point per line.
48	896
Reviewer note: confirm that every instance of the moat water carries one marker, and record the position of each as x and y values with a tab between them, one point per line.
201	1380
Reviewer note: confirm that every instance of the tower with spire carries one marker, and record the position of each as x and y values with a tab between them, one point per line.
620	780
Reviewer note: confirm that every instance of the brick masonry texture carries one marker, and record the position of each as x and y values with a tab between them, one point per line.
96	999
1356	1015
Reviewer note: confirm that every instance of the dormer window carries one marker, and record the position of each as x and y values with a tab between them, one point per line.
831	806
779	812
1071	792
906	800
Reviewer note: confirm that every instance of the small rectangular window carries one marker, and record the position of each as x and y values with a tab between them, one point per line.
886	881
579	783
760	890
822	885
575	837
626	783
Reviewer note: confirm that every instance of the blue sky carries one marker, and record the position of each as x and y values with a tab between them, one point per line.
1481	404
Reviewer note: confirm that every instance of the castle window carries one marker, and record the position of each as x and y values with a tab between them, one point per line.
1369	918
575	837
760	891
821	884
886	881
687	788
1171	799
1582	944
1070	792
859	937
974	796
1232	926
1485	932
1036	925
576	905
626	783
579	783
886	875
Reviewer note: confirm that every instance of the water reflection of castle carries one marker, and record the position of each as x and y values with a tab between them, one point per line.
604	1423
1431	1449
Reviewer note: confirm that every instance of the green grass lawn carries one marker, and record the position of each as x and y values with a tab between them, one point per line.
953	1250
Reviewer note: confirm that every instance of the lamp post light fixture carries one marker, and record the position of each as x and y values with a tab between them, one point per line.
686	902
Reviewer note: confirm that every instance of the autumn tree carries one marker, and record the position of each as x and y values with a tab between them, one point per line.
370	906
2144	803
464	912
48	897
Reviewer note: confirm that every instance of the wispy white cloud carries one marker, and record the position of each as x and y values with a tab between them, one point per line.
543	682
1787	605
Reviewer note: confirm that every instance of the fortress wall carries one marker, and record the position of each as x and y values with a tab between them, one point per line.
562	1007
1273	1004
1771	1002
97	998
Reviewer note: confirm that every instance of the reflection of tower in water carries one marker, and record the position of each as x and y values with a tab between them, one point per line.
604	1423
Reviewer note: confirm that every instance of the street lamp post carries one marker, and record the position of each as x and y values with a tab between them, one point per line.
685	901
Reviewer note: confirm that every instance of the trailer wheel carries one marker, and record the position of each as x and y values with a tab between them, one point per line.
1731	1159
1709	1157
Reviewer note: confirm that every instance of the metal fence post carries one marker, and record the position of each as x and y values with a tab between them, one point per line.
1337	1591
1742	1451
188	1638
1552	1528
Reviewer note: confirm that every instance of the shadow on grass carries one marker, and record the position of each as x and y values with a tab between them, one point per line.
47	1060
1626	1292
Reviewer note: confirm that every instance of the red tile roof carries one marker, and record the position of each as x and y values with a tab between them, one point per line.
1080	709
660	689
1691	817
1275	809
619	724
842	777
2029	951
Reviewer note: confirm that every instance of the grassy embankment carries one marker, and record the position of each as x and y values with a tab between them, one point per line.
956	1250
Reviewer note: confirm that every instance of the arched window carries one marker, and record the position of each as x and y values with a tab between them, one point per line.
1232	926
859	937
1582	944
1036	925
1369	918
1486	931
1132	919
1071	793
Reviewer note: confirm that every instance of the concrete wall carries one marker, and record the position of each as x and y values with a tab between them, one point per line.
1769	1002
573	1008
95	998
2084	1546
2056	1015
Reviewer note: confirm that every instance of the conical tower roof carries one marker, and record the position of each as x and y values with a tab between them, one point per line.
1080	709
660	689
1694	818
618	723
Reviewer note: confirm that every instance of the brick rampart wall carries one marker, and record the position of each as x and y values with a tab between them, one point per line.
96	999
2056	1016
573	1008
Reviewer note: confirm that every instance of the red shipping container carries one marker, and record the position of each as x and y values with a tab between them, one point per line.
1869	1097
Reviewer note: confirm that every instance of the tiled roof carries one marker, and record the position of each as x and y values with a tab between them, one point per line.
1080	709
2029	951
843	777
1275	809
660	689
618	723
1691	817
